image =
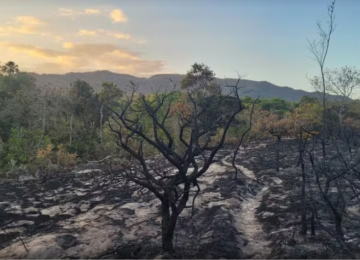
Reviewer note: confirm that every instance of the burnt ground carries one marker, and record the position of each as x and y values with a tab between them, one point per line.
94	215
280	208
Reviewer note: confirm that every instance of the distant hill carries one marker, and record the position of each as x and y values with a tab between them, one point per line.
162	81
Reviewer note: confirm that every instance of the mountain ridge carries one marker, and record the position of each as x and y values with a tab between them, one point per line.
251	88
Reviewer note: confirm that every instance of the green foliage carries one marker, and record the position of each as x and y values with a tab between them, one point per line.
277	106
13	83
23	144
200	79
307	99
17	98
13	169
85	143
110	93
77	119
108	146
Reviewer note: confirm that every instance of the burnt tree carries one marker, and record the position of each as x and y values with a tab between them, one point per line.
190	149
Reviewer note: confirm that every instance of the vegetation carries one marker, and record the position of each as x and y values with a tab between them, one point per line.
77	119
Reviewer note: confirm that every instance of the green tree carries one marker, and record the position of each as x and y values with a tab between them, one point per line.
307	99
108	96
200	79
277	106
84	119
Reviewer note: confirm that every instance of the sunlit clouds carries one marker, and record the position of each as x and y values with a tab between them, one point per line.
80	47
22	25
73	13
87	33
84	57
117	16
116	35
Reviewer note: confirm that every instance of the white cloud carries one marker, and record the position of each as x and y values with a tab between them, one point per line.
73	13
117	16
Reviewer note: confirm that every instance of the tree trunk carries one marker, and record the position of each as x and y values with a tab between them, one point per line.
313	222
101	121
325	129
43	125
311	159
303	196
323	148
338	223
277	153
168	225
71	129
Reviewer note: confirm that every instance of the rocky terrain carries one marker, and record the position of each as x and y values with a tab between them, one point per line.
91	214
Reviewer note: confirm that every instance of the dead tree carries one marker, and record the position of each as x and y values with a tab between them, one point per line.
242	137
190	150
319	49
343	83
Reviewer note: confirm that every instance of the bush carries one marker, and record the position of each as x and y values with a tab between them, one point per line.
49	161
23	145
64	159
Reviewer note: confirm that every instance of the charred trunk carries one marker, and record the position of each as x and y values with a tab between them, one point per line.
311	158
101	122
303	193
278	153
313	222
71	129
338	225
167	227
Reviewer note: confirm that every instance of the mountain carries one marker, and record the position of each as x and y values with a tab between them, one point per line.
163	81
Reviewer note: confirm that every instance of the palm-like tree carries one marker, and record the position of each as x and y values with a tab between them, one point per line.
10	68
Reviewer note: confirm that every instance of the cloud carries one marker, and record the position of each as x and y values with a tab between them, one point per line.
117	16
58	38
92	11
73	13
68	45
116	35
22	25
122	36
87	33
82	57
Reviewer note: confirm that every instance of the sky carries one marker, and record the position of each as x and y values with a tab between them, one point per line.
263	40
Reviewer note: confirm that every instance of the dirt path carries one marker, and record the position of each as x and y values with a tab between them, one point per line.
255	246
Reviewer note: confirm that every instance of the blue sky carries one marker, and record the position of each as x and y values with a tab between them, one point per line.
263	39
